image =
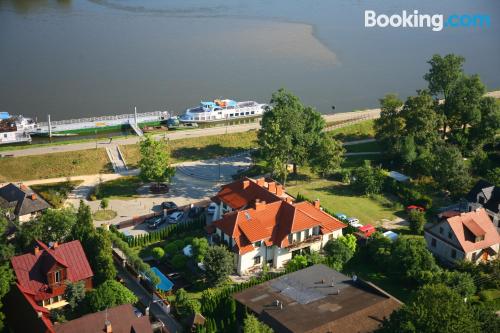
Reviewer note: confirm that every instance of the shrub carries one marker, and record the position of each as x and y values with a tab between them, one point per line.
179	261
157	253
417	221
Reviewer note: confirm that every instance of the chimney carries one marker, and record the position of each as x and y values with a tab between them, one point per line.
271	186
279	190
37	250
246	183
107	327
261	182
260	205
55	245
33	196
289	200
317	204
39	314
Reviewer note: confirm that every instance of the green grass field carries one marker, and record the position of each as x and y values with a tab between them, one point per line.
122	188
358	131
337	197
67	164
363	147
104	215
56	193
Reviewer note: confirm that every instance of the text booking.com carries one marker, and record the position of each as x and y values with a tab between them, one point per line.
436	22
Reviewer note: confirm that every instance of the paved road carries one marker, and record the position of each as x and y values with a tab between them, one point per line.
175	135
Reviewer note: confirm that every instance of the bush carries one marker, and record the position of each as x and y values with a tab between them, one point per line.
157	253
179	261
417	221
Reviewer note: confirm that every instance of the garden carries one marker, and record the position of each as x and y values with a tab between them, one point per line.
56	193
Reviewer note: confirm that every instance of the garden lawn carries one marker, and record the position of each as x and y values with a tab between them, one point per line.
121	188
337	197
192	149
66	164
358	131
363	147
56	193
104	215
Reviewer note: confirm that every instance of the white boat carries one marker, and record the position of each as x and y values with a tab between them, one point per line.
15	129
222	109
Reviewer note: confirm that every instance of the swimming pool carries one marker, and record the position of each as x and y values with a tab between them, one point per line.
165	284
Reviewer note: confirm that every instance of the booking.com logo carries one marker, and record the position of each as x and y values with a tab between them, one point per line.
416	20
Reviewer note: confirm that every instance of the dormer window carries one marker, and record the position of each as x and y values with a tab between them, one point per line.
478	239
258	244
57	276
481	200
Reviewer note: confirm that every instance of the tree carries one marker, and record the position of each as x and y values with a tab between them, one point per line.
450	170
461	282
218	263
179	261
184	305
83	226
99	253
434	308
6	280
296	263
199	247
417	221
380	250
74	293
252	325
339	251
109	294
410	256
389	127
350	241
488	127
493	176
155	161
157	253
104	203
329	156
368	179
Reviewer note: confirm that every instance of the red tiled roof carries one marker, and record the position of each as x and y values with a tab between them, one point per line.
273	223
241	193
478	223
31	270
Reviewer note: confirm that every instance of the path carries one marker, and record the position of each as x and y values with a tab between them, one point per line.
176	135
115	156
145	298
357	142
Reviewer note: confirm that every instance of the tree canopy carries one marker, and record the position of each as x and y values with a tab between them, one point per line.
109	294
155	161
252	325
218	263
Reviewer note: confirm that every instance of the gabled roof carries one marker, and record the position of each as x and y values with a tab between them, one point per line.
23	200
241	193
273	222
493	204
31	269
479	224
490	192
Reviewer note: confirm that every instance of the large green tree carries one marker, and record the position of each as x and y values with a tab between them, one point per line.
74	293
218	264
450	170
155	161
434	308
389	126
367	179
109	294
329	157
340	251
409	257
99	252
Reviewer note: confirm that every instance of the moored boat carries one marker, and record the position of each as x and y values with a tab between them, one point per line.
221	110
14	129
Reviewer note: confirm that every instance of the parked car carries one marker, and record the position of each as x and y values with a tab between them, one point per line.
354	222
169	205
212	208
340	216
155	222
175	217
415	207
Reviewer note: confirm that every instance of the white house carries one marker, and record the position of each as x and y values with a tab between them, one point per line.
262	224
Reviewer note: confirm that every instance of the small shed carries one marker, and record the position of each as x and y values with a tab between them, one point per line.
398	176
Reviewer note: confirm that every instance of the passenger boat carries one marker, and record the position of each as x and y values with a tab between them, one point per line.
222	109
15	129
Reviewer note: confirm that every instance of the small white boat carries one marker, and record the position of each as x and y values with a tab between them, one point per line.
222	109
15	129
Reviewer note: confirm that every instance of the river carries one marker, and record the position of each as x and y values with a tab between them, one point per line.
78	58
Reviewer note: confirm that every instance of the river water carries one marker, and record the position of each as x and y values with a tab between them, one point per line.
78	58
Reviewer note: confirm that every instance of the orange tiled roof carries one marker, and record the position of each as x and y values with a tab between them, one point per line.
241	193
273	222
479	224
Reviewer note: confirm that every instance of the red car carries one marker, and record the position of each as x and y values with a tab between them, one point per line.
415	207
367	230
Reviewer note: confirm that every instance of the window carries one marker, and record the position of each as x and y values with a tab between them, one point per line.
290	238
481	200
258	244
316	230
453	253
231	115
433	242
57	276
256	260
450	236
330	236
298	236
253	112
441	230
306	233
474	256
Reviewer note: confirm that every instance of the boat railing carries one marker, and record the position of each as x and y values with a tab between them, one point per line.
106	118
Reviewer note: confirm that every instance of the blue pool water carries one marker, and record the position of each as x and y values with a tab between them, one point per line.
165	284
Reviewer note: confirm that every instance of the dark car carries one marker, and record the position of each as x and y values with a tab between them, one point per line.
155	222
169	205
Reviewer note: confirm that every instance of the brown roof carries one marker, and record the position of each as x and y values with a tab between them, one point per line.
22	199
311	304
122	319
273	222
31	269
479	224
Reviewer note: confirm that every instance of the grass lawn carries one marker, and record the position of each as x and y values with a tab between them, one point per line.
369	272
104	215
363	147
192	149
83	162
358	131
337	197
56	193
124	187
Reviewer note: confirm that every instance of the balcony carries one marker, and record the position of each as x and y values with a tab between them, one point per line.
298	244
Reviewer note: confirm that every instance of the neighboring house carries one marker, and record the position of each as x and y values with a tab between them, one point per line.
22	201
470	236
43	273
320	300
262	224
487	196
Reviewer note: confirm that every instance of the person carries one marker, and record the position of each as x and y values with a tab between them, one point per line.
110	139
